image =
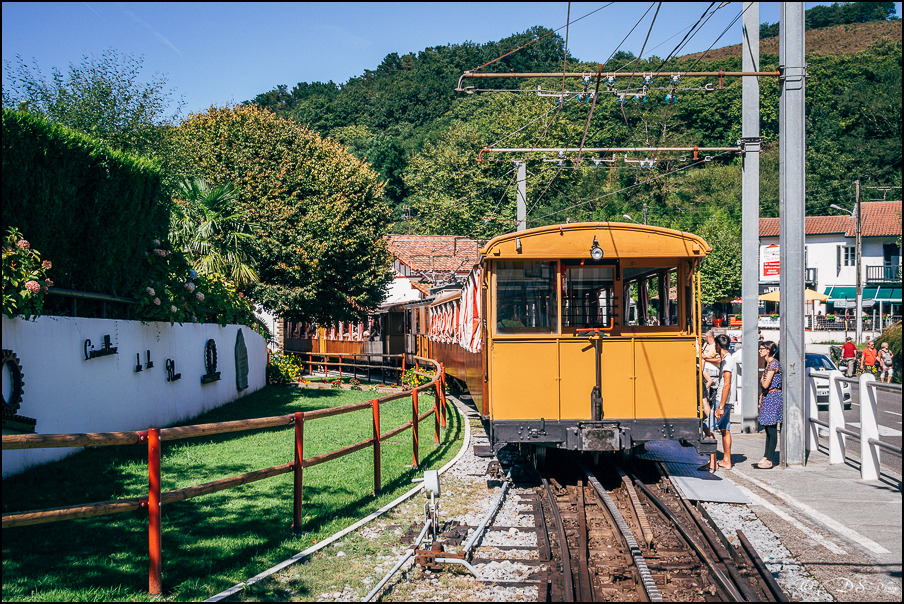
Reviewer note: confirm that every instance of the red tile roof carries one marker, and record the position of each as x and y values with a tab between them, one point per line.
435	253
880	219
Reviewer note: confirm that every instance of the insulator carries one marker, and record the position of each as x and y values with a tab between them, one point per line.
676	79
640	98
647	79
670	98
610	80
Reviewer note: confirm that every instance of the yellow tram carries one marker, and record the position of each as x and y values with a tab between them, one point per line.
579	336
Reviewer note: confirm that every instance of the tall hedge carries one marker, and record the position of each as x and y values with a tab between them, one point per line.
92	211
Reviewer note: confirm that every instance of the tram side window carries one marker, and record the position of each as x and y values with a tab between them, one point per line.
589	296
651	296
526	297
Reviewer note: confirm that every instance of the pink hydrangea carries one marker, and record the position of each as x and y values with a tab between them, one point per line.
23	244
46	265
33	286
159	252
173	309
155	243
150	291
157	301
48	283
190	287
199	296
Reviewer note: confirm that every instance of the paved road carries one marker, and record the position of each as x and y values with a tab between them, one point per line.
888	406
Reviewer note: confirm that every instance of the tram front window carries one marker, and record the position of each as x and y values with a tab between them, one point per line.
526	297
588	296
651	296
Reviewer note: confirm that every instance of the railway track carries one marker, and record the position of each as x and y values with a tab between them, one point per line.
616	537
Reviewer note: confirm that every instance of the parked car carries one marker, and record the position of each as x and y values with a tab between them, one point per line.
817	364
822	364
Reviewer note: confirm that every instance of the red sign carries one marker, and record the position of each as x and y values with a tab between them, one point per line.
771	261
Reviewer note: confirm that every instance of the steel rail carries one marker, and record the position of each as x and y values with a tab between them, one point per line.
646	577
723	581
563	543
764	572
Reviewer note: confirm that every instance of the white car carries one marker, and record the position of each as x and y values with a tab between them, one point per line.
818	364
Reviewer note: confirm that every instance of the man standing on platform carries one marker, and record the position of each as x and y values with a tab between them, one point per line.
720	415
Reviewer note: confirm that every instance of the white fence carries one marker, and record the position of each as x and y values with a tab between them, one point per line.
837	428
100	375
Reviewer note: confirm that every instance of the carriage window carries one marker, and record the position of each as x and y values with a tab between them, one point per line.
588	296
526	297
651	296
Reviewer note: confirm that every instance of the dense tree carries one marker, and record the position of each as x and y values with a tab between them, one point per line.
103	96
319	211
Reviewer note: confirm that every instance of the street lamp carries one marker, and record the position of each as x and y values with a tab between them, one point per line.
626	217
857	243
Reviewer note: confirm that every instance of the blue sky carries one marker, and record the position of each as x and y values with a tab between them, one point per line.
213	54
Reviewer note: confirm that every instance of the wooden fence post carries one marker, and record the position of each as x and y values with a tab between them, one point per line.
414	435
377	471
436	415
155	568
442	391
299	458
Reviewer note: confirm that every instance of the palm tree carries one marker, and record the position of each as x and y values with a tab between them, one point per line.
213	236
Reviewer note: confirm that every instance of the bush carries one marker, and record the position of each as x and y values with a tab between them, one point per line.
892	335
81	203
284	368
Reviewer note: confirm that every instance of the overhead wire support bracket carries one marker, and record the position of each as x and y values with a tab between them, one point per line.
609	76
563	150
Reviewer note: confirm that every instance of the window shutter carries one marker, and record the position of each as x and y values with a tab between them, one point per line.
838	256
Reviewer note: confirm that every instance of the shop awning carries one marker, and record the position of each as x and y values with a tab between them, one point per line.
845	297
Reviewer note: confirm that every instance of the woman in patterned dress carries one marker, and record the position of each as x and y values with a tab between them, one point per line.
771	403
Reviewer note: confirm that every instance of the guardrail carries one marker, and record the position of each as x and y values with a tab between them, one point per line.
837	427
155	436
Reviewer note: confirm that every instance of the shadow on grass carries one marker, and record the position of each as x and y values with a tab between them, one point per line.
211	542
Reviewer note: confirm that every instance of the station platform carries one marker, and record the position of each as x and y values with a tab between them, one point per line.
844	530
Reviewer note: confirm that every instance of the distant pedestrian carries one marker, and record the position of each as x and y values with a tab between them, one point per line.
770	407
848	357
720	415
869	357
886	362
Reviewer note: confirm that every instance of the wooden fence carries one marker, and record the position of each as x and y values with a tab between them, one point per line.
155	436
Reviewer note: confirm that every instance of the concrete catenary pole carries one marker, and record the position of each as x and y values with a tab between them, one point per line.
522	195
858	243
792	190
750	216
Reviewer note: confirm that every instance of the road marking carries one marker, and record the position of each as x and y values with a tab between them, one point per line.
883	430
822	518
757	500
892	412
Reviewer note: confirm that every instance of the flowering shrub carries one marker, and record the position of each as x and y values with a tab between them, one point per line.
284	369
177	293
355	384
412	380
24	277
336	384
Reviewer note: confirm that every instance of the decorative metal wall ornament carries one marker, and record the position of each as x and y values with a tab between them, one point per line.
13	388
138	366
171	375
210	363
149	363
105	350
241	362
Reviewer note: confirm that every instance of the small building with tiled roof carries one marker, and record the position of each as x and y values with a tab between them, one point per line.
830	252
423	261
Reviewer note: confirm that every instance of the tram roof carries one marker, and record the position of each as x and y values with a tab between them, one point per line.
617	240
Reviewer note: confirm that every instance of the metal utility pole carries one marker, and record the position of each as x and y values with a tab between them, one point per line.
792	191
522	194
857	244
750	217
644	213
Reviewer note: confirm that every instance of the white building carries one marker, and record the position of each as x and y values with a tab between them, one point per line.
830	254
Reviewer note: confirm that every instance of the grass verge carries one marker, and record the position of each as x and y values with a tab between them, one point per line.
214	541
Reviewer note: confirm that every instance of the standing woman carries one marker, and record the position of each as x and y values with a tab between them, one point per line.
771	404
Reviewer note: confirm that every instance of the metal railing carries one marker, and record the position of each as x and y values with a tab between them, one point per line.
837	425
154	437
883	274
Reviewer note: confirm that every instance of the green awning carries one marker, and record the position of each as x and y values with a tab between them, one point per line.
879	294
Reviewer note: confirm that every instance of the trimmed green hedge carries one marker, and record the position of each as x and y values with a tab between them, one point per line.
92	211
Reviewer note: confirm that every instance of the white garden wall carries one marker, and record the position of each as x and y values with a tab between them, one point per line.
66	393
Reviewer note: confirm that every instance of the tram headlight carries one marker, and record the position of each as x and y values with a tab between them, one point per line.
596	252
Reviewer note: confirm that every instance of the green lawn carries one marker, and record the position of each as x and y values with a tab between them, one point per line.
214	541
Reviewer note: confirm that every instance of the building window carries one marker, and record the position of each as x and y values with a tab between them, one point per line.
847	256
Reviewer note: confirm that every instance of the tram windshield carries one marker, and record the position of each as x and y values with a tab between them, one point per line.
526	297
588	296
